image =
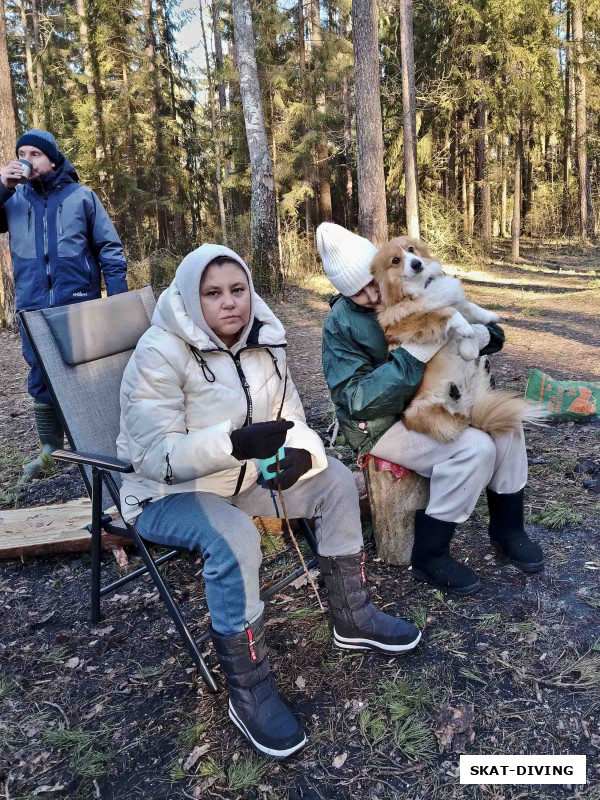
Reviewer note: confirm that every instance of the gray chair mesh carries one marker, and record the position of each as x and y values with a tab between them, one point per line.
87	394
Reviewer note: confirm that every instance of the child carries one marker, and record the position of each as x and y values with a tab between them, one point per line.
370	387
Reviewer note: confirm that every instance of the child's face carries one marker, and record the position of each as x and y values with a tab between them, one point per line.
368	297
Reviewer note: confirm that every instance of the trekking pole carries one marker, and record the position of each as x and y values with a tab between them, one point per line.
282	501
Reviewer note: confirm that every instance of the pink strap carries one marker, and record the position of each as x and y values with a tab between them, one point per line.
381	465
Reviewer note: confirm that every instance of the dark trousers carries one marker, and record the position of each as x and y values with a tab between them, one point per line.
35	382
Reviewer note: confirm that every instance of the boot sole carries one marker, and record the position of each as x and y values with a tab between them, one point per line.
531	568
369	644
452	590
265	751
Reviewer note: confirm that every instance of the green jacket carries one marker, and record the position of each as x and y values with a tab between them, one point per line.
370	387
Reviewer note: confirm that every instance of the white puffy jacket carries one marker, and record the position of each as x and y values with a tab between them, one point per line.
182	395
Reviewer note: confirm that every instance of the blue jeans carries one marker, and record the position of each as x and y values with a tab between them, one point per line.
221	529
35	382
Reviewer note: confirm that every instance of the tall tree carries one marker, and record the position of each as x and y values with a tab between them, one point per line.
8	139
266	264
216	131
409	118
586	212
516	220
323	176
372	210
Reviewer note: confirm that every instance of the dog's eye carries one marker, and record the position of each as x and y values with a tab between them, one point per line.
411	249
395	260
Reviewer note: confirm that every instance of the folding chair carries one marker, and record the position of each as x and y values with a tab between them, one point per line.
82	350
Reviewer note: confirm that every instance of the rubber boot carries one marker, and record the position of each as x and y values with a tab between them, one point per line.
357	623
254	702
52	437
507	531
431	559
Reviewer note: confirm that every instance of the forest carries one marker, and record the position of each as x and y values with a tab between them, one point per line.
489	109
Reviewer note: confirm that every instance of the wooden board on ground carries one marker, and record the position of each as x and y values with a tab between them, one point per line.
393	506
50	529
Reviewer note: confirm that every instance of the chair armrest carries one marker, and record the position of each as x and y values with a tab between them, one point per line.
93	460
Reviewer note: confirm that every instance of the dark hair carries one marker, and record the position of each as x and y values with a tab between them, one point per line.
218	260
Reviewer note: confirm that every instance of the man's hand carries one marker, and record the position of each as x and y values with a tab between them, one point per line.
11	174
291	468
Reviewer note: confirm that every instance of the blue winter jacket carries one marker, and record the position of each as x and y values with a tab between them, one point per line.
60	239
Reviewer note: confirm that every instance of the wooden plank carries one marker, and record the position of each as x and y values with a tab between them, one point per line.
45	530
393	505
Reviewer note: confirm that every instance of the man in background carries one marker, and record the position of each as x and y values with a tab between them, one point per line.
61	241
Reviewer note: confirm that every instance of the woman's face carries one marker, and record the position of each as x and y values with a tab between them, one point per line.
225	300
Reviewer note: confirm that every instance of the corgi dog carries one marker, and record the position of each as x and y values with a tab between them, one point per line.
421	305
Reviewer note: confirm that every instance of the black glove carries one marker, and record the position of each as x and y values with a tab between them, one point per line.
292	467
260	440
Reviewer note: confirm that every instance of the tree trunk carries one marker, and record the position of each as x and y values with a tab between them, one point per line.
216	132
452	160
323	177
306	158
154	103
567	129
29	66
586	212
216	25
516	220
266	264
483	210
504	196
8	140
40	100
372	214
348	195
92	82
409	118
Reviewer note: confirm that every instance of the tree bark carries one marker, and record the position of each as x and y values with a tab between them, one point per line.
504	192
567	129
266	264
409	118
8	140
306	158
216	132
323	176
40	100
29	66
586	211
483	209
452	159
372	213
162	231
516	220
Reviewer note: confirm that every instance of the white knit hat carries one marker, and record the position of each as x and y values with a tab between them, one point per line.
346	257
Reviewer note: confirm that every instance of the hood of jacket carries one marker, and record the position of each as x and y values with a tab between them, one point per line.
64	173
179	311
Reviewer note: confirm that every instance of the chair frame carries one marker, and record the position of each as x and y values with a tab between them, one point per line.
102	468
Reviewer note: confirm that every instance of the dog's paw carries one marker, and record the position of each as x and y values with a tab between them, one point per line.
491	316
459	324
468	349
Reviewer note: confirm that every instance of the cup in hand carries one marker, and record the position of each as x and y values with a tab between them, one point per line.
27	167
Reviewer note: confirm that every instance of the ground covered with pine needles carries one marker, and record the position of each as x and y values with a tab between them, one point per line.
116	710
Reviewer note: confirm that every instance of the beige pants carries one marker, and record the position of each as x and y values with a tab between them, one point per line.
458	471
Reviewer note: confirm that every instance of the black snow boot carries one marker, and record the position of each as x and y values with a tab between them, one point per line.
431	559
507	531
357	623
254	702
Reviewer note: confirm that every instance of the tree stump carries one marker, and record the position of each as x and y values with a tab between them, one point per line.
393	505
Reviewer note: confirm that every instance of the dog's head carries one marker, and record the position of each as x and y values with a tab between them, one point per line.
402	267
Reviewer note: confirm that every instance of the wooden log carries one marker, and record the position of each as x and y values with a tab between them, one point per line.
393	505
44	530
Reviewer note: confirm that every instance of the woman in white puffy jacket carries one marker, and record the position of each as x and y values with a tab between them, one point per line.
199	405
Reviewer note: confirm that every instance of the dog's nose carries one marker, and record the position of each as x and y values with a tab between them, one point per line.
416	264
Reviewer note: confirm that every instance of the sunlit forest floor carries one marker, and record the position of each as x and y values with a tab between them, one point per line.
114	711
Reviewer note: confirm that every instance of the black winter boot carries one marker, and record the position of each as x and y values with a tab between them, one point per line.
507	531
254	702
52	437
431	559
357	623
